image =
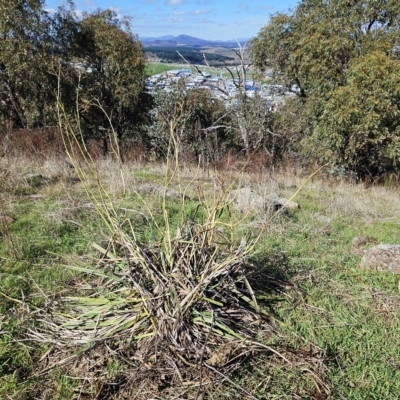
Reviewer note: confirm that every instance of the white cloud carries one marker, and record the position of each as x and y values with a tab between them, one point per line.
202	12
174	2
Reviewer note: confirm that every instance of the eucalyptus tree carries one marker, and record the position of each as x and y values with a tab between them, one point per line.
111	84
26	99
96	56
339	53
360	124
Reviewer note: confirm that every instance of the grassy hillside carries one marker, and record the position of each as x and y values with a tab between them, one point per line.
332	331
158	68
193	55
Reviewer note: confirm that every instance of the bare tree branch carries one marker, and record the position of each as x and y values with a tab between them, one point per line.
201	72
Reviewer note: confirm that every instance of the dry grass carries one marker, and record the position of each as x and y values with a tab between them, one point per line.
341	198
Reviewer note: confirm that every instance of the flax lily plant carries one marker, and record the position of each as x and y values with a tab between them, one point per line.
173	301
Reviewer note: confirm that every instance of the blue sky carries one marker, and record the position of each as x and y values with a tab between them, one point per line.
206	19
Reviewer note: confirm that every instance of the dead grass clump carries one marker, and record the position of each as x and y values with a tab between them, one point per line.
166	308
368	204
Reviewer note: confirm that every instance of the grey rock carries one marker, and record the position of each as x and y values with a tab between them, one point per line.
274	203
383	257
272	198
246	199
6	219
275	198
288	204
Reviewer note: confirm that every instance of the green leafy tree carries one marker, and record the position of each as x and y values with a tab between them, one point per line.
97	57
111	85
64	30
290	125
321	47
26	98
360	125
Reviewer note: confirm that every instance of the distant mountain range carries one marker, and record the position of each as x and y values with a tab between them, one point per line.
185	40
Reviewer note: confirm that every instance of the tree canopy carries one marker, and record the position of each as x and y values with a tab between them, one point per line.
343	55
24	62
112	86
42	54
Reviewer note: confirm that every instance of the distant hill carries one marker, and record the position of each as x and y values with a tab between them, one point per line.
166	37
189	40
186	40
152	39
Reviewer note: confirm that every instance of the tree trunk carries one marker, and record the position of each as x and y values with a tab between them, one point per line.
17	109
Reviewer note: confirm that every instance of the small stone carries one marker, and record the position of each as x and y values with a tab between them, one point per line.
247	199
381	258
289	204
6	219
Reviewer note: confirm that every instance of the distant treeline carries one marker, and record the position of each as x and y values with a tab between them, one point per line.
170	54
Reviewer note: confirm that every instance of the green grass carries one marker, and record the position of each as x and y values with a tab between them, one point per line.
352	314
158	68
339	324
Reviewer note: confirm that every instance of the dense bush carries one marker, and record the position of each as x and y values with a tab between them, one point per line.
112	93
343	57
45	56
251	123
196	121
